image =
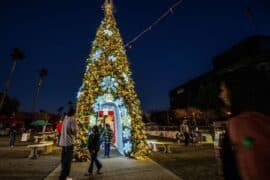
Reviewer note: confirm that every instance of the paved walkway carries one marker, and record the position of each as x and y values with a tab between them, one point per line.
15	164
119	167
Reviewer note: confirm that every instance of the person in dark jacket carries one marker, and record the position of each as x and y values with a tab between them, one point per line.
12	137
93	147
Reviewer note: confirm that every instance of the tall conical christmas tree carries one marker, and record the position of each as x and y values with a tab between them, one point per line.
108	88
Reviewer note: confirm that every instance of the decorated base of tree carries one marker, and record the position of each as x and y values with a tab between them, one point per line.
107	94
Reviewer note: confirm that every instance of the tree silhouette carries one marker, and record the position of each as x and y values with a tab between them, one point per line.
11	105
16	55
42	74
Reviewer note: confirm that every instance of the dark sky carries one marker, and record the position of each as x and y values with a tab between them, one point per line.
57	34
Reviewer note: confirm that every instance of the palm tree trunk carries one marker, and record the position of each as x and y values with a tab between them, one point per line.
8	84
36	95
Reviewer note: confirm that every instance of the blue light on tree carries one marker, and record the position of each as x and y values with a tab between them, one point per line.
124	111
108	32
79	92
99	101
126	133
96	55
112	58
119	102
109	84
125	77
127	147
96	107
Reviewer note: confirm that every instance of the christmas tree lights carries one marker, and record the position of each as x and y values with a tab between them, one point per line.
108	84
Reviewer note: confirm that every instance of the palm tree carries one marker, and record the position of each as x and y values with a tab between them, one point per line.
42	74
16	55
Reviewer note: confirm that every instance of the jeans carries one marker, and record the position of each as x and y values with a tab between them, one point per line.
94	160
186	138
107	149
12	140
66	159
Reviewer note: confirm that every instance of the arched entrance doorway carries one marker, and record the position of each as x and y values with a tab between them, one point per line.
110	115
114	112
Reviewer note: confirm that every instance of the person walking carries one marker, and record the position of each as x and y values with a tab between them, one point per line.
12	137
177	137
93	147
107	140
67	141
185	131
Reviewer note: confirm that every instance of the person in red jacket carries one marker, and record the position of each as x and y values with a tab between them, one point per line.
59	129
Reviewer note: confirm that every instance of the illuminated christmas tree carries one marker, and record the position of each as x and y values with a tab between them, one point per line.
107	93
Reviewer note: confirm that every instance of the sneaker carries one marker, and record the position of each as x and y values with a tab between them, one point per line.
68	178
98	171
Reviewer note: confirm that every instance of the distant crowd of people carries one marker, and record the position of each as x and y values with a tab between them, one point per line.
187	134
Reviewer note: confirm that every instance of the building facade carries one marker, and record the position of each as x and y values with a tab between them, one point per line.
245	69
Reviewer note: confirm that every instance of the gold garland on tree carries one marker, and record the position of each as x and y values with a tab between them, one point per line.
108	59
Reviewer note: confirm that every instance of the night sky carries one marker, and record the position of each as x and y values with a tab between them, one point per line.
57	34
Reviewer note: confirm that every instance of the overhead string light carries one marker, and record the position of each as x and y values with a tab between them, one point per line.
170	10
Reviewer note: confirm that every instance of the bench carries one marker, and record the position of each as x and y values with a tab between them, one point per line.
166	145
38	138
34	149
25	137
47	135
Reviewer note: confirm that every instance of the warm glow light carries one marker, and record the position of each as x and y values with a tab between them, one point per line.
108	84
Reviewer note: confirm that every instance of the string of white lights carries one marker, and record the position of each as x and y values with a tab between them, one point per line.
149	28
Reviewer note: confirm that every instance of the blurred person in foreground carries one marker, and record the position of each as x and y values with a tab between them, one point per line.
247	101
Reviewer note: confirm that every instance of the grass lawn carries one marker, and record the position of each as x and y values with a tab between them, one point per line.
190	163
